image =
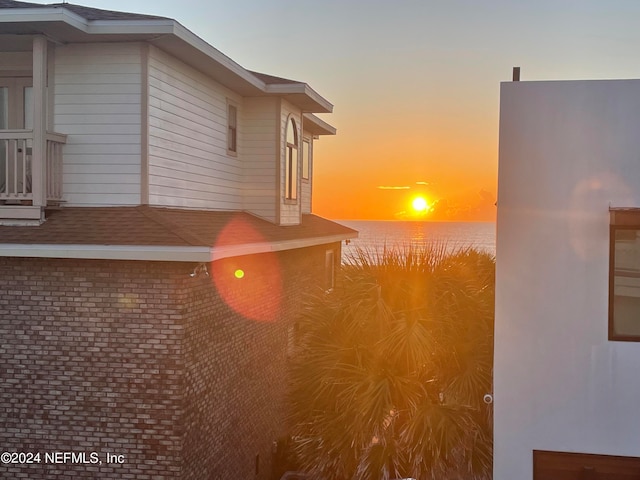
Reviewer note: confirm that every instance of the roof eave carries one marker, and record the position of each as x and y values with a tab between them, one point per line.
170	34
115	27
108	252
314	102
173	37
157	30
163	253
45	14
317	126
216	55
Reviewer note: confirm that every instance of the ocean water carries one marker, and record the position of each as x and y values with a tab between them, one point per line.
453	235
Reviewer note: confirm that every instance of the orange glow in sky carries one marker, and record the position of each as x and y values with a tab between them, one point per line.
458	182
385	164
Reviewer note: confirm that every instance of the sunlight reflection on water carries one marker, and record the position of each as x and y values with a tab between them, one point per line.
454	235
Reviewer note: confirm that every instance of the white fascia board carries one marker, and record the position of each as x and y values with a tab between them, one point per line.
108	252
198	43
172	27
300	88
124	27
265	247
28	15
284	88
96	27
326	104
319	124
158	253
114	27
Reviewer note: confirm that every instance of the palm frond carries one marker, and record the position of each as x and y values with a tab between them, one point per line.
392	366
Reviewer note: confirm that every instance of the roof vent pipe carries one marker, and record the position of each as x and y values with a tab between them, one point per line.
516	74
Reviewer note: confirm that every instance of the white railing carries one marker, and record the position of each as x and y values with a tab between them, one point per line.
53	171
16	165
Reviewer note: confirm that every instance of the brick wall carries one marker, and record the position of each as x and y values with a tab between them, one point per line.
236	354
183	375
92	359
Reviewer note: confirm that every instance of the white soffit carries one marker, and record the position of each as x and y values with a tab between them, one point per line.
317	126
159	253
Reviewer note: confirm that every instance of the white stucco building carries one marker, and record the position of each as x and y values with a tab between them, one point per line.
568	265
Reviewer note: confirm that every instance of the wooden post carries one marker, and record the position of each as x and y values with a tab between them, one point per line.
39	150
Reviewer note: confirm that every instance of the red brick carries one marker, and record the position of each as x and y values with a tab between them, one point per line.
147	362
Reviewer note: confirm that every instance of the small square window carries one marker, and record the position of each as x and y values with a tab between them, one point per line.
624	275
232	132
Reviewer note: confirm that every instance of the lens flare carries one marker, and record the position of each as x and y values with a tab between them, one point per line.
259	295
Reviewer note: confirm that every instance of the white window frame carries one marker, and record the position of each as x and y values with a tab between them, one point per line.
306	159
232	128
291	163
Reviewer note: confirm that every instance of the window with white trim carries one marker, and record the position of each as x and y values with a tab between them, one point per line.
232	129
291	162
306	159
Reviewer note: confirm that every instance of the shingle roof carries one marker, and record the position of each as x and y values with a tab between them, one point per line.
155	226
87	13
14	4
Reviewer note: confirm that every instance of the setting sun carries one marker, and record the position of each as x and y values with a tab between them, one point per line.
420	205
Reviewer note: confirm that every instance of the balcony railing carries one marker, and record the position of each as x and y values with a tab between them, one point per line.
16	162
55	141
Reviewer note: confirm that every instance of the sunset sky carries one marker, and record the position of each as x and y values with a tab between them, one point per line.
415	83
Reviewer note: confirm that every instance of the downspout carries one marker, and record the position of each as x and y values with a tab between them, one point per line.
278	158
38	159
301	154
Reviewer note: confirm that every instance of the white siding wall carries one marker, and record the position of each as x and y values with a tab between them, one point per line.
307	184
258	149
289	211
568	150
97	103
188	161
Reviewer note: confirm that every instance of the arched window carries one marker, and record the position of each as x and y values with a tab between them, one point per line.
291	162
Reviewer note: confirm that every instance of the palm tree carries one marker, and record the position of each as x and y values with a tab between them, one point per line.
392	367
